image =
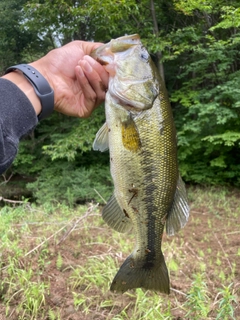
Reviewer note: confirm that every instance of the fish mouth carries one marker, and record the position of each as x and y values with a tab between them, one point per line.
105	53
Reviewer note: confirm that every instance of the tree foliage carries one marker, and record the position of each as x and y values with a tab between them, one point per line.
207	102
18	43
196	46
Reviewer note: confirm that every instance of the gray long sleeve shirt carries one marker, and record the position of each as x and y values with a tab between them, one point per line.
17	118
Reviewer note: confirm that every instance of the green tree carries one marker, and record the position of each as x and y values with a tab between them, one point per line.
195	45
18	43
206	93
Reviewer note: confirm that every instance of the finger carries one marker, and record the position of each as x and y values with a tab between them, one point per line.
89	97
88	47
99	69
94	79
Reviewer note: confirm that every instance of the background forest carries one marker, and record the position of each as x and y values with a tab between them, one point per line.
196	46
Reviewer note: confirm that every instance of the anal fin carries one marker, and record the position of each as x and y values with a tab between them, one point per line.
115	217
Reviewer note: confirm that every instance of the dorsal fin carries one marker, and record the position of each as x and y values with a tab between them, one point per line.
179	214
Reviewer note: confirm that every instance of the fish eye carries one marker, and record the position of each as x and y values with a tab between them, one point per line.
144	56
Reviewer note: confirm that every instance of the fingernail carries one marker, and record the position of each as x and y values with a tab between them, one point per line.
86	67
88	59
80	72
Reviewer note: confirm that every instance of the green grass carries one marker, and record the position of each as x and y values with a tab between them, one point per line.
58	261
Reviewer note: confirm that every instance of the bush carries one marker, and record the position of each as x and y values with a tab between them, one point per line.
66	183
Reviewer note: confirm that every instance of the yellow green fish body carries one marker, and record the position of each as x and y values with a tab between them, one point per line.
140	134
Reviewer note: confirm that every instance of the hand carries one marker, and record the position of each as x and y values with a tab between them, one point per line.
79	82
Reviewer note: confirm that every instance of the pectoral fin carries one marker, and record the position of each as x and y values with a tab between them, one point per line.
101	140
115	217
130	136
179	214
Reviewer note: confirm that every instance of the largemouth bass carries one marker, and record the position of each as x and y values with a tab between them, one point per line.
141	137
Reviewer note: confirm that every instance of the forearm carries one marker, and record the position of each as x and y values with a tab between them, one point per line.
18	116
23	84
79	84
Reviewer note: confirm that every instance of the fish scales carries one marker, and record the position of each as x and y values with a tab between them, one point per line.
141	137
149	170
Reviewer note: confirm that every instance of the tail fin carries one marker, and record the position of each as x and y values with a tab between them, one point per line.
142	274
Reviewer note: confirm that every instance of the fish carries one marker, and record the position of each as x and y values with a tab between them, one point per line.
139	132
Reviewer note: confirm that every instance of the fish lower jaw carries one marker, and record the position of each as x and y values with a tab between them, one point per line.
124	102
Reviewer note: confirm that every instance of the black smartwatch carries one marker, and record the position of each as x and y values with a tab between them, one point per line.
41	87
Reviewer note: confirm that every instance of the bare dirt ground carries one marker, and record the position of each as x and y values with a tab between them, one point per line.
209	244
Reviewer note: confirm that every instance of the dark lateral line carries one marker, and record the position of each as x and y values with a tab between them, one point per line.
151	208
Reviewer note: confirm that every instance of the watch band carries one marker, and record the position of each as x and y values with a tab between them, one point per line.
41	87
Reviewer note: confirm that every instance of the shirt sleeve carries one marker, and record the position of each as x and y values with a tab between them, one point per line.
17	119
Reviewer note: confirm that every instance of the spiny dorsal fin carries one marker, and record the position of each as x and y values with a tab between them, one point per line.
101	140
115	217
179	214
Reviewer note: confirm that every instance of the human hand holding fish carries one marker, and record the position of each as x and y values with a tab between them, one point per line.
141	137
79	85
